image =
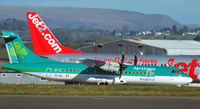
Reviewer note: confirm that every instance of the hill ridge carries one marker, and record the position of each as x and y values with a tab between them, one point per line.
91	18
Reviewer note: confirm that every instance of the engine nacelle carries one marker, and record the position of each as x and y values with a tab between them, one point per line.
110	66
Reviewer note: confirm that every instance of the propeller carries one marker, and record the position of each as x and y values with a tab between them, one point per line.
135	59
122	66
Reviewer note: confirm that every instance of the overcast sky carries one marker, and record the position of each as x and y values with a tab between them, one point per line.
184	11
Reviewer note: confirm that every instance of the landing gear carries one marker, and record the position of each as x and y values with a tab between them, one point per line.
179	85
102	83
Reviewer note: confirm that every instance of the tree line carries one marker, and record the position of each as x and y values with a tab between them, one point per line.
84	34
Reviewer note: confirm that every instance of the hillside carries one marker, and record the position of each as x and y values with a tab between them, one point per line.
91	18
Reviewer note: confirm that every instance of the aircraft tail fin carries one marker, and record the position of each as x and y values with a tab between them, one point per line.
44	42
18	52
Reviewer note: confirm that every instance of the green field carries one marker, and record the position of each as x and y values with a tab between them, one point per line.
110	90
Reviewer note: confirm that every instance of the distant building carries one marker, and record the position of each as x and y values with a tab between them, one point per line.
191	33
158	33
162	47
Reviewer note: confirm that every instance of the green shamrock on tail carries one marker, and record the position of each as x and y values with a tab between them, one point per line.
12	51
21	51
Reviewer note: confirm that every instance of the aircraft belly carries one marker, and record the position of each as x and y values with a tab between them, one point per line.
53	76
94	78
63	76
172	80
113	79
161	80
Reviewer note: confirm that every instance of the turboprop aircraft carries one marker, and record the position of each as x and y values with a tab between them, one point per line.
89	71
45	44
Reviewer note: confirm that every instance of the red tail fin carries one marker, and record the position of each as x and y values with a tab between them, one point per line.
43	40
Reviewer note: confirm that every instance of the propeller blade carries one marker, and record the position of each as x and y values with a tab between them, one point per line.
121	65
121	71
135	59
122	61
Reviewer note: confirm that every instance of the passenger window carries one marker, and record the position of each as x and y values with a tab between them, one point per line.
3	74
18	75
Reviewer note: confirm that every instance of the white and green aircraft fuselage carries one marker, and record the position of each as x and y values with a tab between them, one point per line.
25	61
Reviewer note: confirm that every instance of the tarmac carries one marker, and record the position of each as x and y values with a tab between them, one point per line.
97	102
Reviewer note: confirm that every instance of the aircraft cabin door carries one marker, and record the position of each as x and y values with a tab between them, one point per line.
147	75
48	72
150	76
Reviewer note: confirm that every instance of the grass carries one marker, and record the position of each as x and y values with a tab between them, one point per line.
111	90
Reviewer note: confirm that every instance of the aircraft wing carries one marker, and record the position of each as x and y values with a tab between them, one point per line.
104	65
